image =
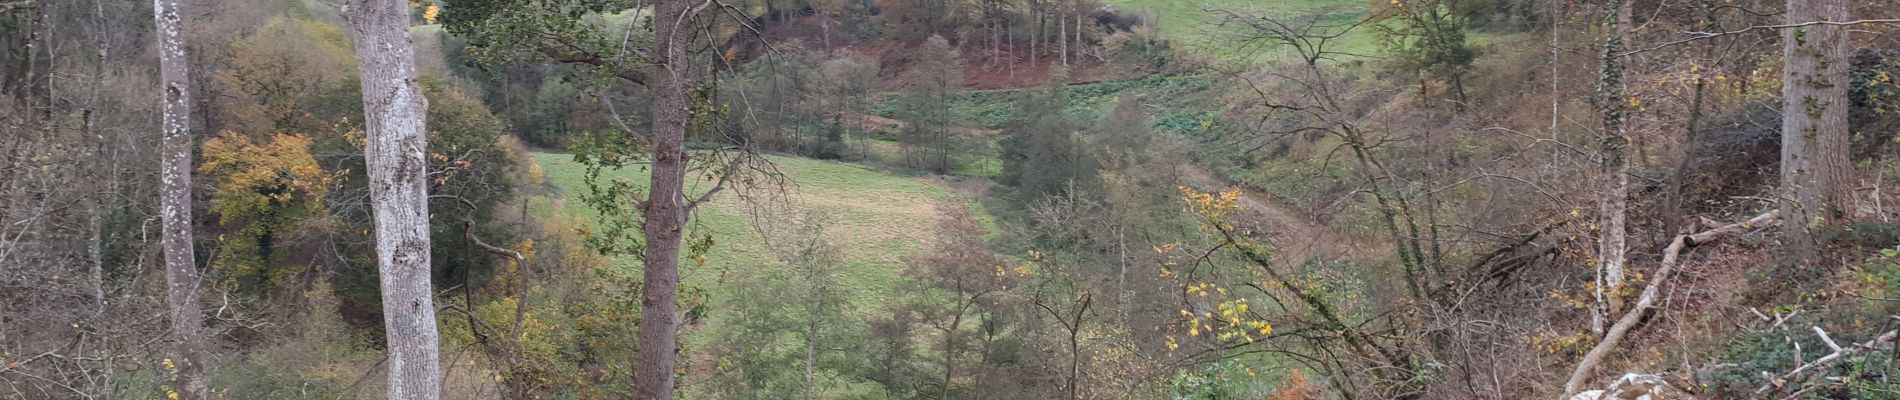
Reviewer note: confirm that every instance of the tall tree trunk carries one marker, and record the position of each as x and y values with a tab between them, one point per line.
1614	205
950	351
1062	33
1079	49
665	211
1673	215
181	266
1075	362
1035	35
996	45
811	338
1010	37
108	162
394	111
1556	15
1814	159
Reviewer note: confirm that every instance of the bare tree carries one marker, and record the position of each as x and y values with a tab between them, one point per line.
1814	160
1069	313
394	111
181	269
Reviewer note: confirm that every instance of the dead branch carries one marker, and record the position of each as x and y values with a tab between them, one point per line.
468	231
1838	354
521	264
725	177
1648	297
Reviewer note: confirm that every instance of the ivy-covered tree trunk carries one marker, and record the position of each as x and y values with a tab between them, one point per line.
181	267
1814	159
394	112
665	205
1613	207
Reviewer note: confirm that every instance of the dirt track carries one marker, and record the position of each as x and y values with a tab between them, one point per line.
1295	239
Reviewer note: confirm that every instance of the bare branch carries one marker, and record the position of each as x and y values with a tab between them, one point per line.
1694	36
1838	354
468	231
1825	339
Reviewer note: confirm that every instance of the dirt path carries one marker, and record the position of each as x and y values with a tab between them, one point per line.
1295	238
868	121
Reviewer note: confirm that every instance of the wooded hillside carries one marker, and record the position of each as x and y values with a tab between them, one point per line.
949	199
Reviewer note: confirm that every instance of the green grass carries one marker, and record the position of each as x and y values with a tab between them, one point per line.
876	218
1188	23
1087	102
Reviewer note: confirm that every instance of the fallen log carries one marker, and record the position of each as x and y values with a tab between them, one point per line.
1648	297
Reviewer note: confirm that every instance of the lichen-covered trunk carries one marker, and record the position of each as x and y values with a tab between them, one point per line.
1814	159
665	206
181	267
1613	207
394	111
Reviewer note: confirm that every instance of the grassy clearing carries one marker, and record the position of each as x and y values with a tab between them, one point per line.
1188	21
877	218
991	109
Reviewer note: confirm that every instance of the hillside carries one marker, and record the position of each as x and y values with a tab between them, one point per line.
949	199
877	219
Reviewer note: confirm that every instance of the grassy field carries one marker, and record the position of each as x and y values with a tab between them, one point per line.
1188	21
992	109
876	218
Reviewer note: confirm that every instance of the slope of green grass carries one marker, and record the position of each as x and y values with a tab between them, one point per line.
876	219
994	108
1190	23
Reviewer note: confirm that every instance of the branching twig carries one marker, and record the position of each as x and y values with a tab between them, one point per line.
725	177
1838	354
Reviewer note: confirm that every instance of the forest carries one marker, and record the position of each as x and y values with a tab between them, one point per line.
949	199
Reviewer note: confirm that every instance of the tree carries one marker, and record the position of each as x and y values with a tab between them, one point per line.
962	272
848	80
801	296
1062	294
927	139
1815	180
181	264
1041	156
267	84
665	207
1428	39
394	111
558	33
265	191
776	93
1614	205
